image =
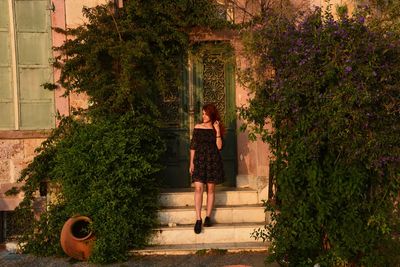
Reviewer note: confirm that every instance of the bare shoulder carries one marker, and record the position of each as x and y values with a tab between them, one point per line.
199	126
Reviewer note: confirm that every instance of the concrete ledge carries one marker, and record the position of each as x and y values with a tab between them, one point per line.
226	197
218	233
221	214
187	249
24	134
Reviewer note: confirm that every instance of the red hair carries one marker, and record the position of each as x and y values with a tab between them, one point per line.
212	112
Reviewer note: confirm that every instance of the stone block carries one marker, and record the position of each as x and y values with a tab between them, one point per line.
16	167
11	149
4	170
29	147
242	181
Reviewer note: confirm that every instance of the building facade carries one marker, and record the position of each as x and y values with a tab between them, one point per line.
27	111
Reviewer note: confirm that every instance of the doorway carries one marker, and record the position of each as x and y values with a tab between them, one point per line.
209	77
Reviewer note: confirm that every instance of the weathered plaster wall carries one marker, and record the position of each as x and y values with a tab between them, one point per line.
58	21
17	148
252	157
15	155
323	4
73	11
74	18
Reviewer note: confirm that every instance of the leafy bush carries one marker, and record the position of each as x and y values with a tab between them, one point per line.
102	162
107	171
128	60
330	90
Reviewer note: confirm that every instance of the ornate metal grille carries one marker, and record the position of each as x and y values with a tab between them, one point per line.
170	106
214	82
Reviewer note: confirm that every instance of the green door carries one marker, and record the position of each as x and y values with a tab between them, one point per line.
208	78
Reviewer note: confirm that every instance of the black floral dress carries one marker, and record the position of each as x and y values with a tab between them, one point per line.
208	166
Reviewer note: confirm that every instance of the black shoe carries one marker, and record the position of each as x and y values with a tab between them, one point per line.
197	227
207	222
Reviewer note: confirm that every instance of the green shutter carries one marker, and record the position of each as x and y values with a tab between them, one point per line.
6	93
4	14
34	51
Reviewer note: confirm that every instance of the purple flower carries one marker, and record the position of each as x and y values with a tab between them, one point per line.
299	42
348	69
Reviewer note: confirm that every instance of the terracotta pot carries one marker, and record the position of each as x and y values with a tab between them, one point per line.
76	238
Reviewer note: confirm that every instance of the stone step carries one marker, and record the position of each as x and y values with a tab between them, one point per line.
223	197
185	249
222	214
218	233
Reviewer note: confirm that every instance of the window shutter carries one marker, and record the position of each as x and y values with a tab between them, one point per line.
6	92
33	33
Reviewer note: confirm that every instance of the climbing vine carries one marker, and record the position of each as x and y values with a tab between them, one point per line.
330	90
103	161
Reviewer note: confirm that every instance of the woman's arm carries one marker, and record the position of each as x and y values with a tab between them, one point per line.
193	145
218	135
191	168
219	141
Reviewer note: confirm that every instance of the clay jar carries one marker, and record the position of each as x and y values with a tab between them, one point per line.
76	238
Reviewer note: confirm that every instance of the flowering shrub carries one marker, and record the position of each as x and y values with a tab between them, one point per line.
330	89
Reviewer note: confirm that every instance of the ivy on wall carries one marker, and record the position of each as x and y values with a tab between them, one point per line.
102	162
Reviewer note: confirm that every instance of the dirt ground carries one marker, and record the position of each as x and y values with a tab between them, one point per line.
254	259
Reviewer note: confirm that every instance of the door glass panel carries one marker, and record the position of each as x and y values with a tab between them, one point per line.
32	16
31	80
6	94
33	48
5	83
6	114
37	115
37	109
6	99
4	49
4	14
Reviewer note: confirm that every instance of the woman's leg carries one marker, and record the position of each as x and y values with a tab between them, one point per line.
210	198
198	198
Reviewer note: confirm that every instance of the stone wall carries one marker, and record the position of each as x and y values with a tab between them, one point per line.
15	155
17	148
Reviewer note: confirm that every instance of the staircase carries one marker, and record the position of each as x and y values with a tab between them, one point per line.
237	212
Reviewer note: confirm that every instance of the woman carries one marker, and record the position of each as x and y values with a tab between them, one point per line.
205	161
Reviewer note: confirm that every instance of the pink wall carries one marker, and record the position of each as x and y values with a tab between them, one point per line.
58	20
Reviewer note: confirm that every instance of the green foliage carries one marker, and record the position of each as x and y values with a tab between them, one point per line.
387	15
126	60
330	90
107	171
103	162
